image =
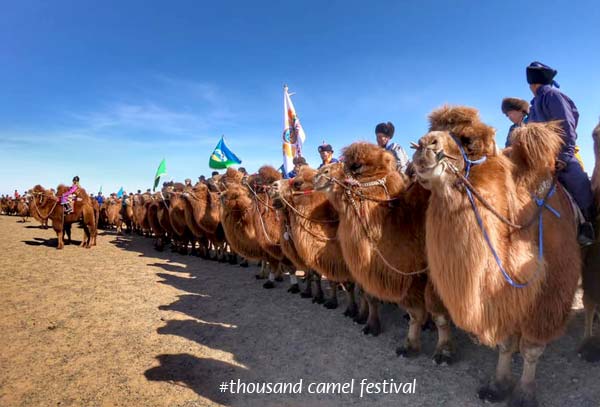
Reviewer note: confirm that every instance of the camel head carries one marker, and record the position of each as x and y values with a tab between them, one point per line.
42	196
325	176
438	153
294	190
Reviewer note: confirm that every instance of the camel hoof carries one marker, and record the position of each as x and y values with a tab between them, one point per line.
279	279
444	357
360	319
406	352
318	299
590	350
520	398
351	312
244	264
304	294
330	304
372	329
259	277
269	284
495	392
294	289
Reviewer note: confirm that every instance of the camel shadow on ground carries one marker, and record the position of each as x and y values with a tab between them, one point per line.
277	336
51	242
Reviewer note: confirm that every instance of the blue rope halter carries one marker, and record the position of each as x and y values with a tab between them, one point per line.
539	202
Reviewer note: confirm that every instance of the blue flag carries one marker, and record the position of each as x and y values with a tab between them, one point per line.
222	157
120	193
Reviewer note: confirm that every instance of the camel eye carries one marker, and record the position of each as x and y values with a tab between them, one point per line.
354	167
297	184
465	141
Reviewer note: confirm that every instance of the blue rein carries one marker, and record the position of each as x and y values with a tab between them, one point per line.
539	202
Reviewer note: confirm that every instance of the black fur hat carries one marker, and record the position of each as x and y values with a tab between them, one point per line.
385	128
76	178
540	73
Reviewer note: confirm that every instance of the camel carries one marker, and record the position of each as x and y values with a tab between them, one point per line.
243	231
382	236
506	268
23	209
139	213
177	216
590	348
112	209
203	218
160	234
309	229
125	215
45	205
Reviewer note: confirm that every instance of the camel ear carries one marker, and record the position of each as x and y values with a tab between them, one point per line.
450	117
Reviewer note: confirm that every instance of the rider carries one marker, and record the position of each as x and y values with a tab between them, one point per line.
550	104
299	162
384	133
64	199
326	153
517	111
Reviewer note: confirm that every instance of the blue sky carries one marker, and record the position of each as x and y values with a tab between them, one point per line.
105	90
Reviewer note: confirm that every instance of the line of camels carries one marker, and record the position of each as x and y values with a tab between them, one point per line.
472	235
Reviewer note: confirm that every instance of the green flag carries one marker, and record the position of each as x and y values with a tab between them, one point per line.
162	170
222	157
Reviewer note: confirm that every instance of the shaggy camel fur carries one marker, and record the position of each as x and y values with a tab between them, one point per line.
46	206
590	348
533	309
160	234
382	235
203	217
23	209
238	217
176	209
309	229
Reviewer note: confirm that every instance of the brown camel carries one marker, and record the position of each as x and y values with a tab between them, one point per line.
590	348
139	213
46	206
125	215
238	213
203	218
497	281
23	209
309	230
176	209
113	209
382	236
160	234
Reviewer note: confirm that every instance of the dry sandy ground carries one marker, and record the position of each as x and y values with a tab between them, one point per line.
123	325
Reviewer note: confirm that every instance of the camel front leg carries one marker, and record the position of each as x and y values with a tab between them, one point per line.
589	350
307	293
61	241
320	297
444	350
524	393
499	388
352	309
373	326
275	269
332	302
412	343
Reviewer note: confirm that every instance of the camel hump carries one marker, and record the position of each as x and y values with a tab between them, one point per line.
269	174
449	117
535	146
